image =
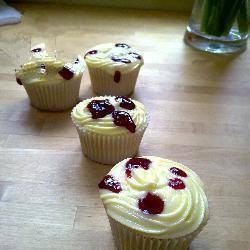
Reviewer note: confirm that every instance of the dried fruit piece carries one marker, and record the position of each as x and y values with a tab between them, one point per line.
100	108
110	183
123	119
151	204
66	72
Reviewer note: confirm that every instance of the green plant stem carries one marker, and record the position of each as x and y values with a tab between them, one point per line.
231	16
242	18
206	10
218	16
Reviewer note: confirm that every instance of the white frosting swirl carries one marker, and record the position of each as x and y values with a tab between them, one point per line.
82	117
185	210
103	58
33	72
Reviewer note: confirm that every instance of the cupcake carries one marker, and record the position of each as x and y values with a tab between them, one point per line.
113	68
110	127
153	203
50	83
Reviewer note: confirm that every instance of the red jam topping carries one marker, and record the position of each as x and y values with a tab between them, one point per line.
36	50
176	183
122	45
91	52
135	55
125	102
66	72
118	59
123	119
110	183
178	172
100	108
117	76
19	81
136	162
151	204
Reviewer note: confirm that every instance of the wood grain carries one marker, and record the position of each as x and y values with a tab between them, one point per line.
199	107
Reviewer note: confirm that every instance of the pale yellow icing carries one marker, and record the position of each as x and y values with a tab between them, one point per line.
185	210
82	117
32	73
103	60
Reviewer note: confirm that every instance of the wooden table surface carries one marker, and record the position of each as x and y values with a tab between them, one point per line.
199	106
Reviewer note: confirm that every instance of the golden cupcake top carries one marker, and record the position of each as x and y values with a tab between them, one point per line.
110	115
114	56
43	69
155	196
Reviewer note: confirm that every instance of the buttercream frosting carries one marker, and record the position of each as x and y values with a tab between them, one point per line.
185	210
82	117
43	69
112	57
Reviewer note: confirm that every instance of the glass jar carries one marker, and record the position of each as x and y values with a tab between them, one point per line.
218	26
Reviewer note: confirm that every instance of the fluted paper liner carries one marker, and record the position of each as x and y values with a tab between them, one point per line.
54	96
129	239
109	149
103	83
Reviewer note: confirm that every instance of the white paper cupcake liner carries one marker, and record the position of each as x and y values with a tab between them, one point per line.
128	239
109	149
54	96
103	83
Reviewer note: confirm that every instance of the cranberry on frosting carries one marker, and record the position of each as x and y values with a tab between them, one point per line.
66	72
91	52
35	50
151	204
110	183
176	183
125	102
118	59
123	119
177	171
135	55
100	108
136	162
122	45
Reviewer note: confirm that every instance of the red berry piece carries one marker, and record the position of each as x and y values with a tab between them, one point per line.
110	183
135	55
66	72
125	60
136	162
91	52
125	102
176	183
117	76
19	81
122	45
117	59
178	172
123	119
100	108
36	50
151	204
